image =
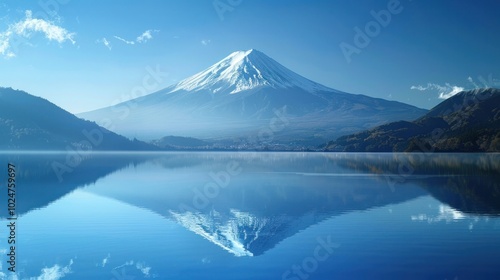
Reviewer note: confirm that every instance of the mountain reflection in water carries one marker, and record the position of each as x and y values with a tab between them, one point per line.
273	197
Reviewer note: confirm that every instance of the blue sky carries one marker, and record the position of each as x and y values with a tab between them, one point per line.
83	55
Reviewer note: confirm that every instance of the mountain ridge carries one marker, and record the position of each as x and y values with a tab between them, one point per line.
467	122
29	122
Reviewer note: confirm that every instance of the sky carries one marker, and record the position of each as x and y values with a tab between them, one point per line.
84	55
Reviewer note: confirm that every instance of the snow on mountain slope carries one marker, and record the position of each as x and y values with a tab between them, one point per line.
244	234
225	233
238	97
244	70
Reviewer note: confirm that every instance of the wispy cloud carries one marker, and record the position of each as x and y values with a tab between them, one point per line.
143	38
25	28
144	269
55	272
205	42
105	42
146	36
448	90
471	80
445	91
141	266
446	213
127	263
125	41
2	275
484	82
105	260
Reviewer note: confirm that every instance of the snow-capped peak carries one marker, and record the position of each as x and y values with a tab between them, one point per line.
244	70
234	234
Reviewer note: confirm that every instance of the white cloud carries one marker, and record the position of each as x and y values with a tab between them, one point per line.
470	80
125	41
144	269
105	260
24	29
143	38
448	94
141	266
445	91
5	45
205	42
128	263
446	213
146	36
483	82
105	42
54	273
51	31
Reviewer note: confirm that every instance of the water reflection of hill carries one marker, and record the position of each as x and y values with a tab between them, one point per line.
467	182
38	183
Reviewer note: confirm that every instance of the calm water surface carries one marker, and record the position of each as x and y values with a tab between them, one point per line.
254	216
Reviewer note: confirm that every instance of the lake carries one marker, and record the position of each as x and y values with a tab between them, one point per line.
246	215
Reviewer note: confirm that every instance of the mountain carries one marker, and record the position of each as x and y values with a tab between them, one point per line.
177	142
28	122
466	122
248	97
245	70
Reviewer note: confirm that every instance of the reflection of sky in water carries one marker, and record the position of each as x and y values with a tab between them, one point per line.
448	214
79	231
129	226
